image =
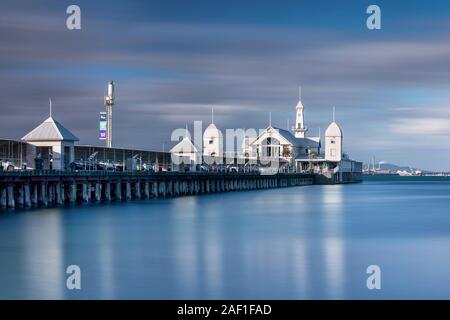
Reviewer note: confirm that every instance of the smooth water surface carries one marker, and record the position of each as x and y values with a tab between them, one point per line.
312	242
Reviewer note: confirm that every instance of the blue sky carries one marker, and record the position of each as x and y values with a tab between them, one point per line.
173	60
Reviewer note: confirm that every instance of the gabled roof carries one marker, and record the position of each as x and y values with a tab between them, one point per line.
290	138
50	130
184	146
304	142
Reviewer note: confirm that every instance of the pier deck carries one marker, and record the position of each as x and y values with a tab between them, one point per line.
27	189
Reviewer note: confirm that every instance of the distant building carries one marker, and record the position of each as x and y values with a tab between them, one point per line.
286	145
297	152
276	142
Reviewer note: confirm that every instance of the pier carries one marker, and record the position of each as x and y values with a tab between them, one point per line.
35	188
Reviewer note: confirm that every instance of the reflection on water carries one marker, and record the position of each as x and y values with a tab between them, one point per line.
106	258
43	254
333	246
296	243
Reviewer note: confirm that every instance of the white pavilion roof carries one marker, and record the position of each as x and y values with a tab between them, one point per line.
50	130
184	146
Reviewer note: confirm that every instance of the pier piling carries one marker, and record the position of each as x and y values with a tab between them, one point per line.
35	189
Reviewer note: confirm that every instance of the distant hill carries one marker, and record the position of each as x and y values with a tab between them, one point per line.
393	167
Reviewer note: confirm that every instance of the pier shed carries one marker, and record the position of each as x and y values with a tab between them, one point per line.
54	144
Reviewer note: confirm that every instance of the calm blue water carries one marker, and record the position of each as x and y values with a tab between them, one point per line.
295	243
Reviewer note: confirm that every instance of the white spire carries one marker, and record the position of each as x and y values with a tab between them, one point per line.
270	119
50	104
212	115
300	128
334	114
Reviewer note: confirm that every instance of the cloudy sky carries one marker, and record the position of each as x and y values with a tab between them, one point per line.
173	60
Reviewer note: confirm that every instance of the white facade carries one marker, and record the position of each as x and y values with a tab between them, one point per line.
286	144
276	142
247	151
333	143
212	142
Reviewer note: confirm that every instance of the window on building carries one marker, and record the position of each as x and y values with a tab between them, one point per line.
211	141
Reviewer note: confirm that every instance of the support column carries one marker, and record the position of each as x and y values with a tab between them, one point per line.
202	186
137	188
118	191
128	190
3	197
59	194
108	191
170	188
34	195
146	190
163	188
85	192
155	189
98	193
176	190
44	200
49	194
27	195
10	196
20	196
73	192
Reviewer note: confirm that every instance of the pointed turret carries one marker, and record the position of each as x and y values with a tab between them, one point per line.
300	129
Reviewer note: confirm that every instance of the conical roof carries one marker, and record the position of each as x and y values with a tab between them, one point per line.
211	130
333	130
50	130
299	104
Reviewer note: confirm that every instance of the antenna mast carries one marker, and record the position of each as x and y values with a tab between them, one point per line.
109	102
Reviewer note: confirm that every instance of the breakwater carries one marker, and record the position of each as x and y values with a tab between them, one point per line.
28	189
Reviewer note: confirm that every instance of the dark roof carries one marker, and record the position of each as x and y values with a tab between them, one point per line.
304	142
